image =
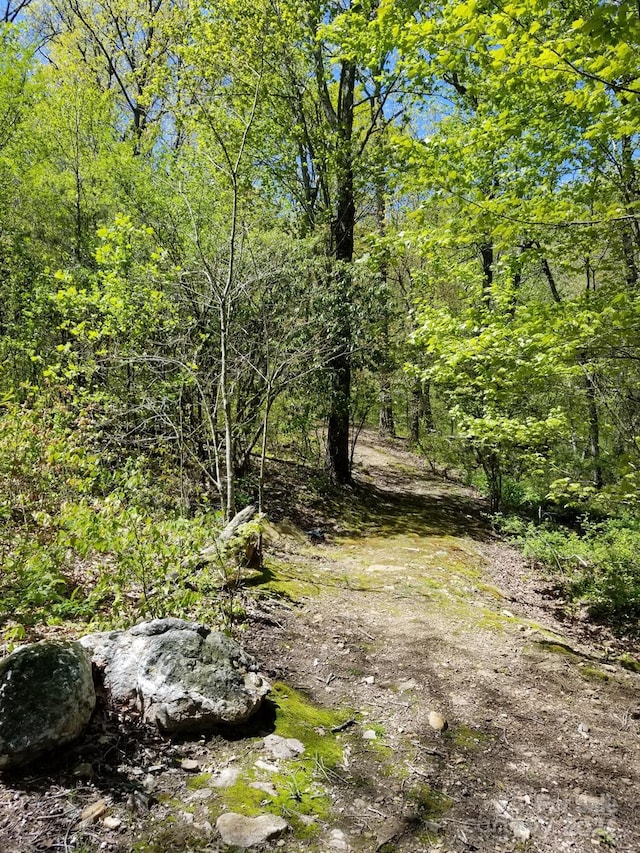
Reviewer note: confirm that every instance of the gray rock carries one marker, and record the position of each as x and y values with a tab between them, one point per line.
280	747
241	831
265	787
227	777
46	700
178	674
595	806
520	830
337	841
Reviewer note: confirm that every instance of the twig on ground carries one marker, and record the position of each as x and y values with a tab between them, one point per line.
342	726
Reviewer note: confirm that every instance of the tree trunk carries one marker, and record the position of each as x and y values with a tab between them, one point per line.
486	255
342	230
337	461
416	411
386	424
594	430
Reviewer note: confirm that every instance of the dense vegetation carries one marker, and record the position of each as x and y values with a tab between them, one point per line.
230	229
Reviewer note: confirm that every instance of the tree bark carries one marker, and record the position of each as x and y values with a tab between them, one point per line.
594	430
342	232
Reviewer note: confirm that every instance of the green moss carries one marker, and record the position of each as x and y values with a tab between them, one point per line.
242	798
297	717
466	737
288	581
493	591
591	673
556	648
629	662
429	802
194	783
301	797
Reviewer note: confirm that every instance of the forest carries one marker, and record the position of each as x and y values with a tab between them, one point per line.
235	232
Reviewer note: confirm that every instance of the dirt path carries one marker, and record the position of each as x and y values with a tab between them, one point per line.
402	605
418	608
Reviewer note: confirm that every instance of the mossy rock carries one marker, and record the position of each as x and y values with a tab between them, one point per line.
46	700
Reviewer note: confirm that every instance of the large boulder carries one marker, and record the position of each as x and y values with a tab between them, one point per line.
179	675
46	700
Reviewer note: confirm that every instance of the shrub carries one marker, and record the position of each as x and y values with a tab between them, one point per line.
598	565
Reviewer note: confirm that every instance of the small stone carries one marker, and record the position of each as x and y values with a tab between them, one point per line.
596	805
202	794
227	777
149	783
112	822
520	830
337	840
280	747
138	802
241	831
390	829
501	809
83	771
370	679
190	765
92	812
437	721
369	734
266	787
264	765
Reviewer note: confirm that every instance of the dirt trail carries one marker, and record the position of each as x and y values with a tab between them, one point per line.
418	608
401	604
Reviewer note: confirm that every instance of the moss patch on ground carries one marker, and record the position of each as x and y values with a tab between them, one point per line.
556	648
288	581
592	673
629	662
466	737
429	802
300	793
195	783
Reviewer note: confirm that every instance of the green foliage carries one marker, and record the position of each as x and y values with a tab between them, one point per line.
597	566
85	542
174	187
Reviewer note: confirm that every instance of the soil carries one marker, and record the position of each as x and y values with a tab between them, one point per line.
468	711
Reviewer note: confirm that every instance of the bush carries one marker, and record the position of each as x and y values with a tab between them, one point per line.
83	540
598	565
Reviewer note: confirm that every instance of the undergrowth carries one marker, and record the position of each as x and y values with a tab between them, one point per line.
596	566
93	537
